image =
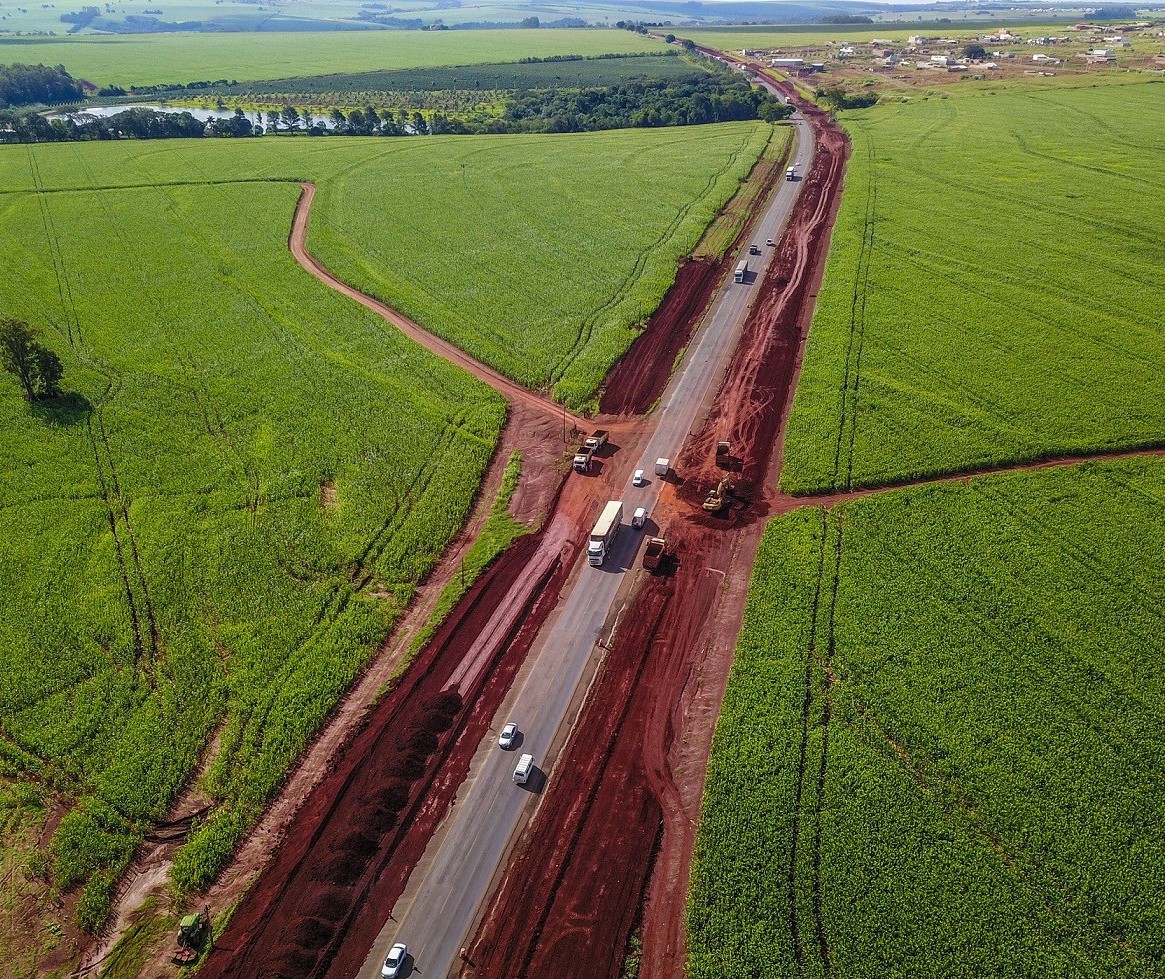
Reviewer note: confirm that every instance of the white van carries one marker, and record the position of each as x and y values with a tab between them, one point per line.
639	517
525	767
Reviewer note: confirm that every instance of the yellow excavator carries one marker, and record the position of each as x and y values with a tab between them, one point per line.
719	496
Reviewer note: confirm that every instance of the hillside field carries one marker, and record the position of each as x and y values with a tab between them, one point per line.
156	59
940	750
210	533
993	291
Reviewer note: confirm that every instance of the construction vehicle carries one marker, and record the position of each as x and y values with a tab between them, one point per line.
723	448
719	496
192	932
655	553
582	460
597	440
605	531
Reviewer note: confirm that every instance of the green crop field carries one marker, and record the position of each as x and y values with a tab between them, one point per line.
940	749
155	59
173	563
536	254
993	291
249	474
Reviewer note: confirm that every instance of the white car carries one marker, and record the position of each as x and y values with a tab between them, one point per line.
770	242
638	479
508	736
395	962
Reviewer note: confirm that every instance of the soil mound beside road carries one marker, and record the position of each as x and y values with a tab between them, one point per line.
639	378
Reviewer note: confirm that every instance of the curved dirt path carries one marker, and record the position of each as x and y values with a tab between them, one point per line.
510	390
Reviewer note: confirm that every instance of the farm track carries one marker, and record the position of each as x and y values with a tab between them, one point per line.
510	390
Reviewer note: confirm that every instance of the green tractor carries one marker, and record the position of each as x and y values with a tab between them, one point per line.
193	931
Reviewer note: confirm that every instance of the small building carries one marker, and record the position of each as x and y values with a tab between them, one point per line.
940	59
786	62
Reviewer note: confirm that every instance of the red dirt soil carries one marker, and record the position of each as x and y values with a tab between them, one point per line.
626	793
639	378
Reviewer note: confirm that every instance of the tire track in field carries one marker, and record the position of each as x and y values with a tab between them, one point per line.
793	921
856	341
827	681
154	634
97	435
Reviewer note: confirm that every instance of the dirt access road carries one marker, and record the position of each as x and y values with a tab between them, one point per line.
511	390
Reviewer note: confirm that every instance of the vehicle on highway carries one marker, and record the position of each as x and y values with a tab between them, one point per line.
754	249
394	964
508	736
639	517
605	531
770	242
741	272
524	769
638	479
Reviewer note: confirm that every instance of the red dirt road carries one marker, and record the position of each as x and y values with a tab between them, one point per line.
511	390
626	794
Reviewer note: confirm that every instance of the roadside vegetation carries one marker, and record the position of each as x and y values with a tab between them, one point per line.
207	534
940	746
989	306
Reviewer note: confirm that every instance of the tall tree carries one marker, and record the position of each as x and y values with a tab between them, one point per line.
36	367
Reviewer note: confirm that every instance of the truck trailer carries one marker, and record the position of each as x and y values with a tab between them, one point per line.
605	531
597	440
741	271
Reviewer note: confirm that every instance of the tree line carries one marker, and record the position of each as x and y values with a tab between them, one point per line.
37	85
693	102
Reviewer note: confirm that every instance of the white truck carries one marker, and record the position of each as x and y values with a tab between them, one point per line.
741	272
605	531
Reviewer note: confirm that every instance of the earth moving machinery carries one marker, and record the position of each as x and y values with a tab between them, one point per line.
605	531
723	448
655	553
597	440
192	932
719	496
582	460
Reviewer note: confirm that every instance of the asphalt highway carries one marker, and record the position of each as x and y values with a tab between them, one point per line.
436	912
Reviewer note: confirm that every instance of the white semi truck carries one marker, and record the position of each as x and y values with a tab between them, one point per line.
605	531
